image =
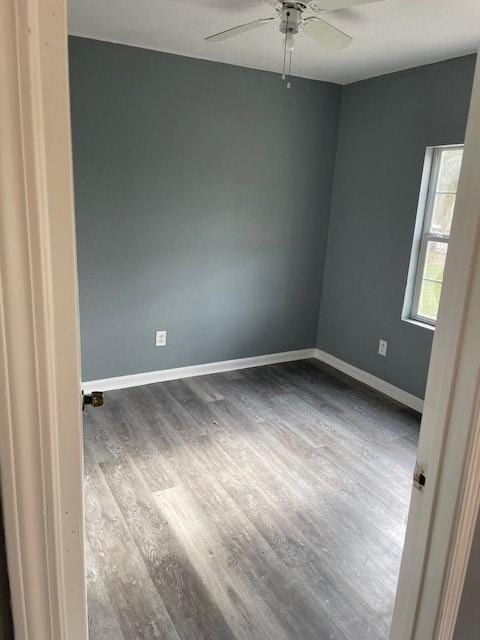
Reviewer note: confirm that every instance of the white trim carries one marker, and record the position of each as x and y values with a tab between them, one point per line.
417	323
138	379
372	381
40	417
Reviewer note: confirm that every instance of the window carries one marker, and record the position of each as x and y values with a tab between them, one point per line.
437	202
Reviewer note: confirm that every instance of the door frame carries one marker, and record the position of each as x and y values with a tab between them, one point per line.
41	454
40	416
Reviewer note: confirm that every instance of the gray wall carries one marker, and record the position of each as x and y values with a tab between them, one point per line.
202	198
385	125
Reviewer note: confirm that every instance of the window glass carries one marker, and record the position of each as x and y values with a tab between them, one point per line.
432	279
450	164
431	251
443	206
429	299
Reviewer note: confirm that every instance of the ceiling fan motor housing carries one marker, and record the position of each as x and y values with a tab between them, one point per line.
291	16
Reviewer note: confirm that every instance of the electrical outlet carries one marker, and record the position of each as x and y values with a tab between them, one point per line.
160	338
382	347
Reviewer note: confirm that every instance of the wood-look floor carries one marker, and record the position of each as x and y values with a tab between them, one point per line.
263	504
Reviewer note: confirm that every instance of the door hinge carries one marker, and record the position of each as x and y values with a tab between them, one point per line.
420	476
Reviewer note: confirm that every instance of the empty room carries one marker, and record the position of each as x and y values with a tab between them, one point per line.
227	224
264	214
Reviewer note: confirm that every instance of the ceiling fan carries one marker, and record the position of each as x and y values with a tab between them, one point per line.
302	16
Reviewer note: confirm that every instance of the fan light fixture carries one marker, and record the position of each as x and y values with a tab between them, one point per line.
293	20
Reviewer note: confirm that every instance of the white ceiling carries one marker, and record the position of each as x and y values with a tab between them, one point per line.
388	36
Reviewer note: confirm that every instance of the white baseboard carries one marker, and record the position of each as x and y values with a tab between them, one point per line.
138	379
370	380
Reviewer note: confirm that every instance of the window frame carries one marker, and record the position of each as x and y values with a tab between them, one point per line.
431	173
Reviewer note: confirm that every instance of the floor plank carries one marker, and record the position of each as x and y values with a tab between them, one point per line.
117	577
267	503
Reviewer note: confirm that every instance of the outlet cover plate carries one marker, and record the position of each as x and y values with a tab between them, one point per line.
160	338
382	347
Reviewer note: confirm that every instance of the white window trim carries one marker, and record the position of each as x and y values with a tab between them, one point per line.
422	236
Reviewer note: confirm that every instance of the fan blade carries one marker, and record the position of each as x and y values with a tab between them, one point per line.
242	28
335	5
326	34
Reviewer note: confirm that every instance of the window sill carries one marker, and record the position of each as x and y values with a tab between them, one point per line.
418	323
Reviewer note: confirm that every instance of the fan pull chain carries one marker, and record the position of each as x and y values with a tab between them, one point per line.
289	84
285	51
